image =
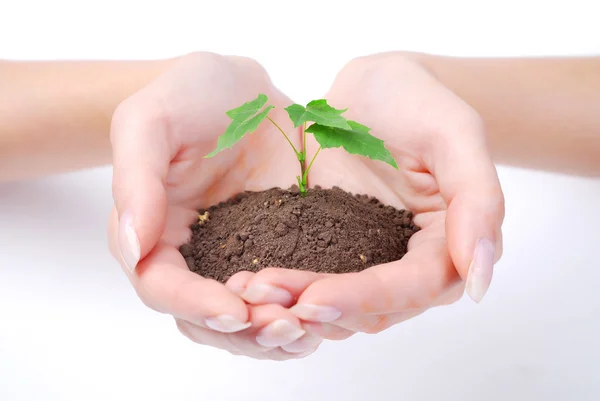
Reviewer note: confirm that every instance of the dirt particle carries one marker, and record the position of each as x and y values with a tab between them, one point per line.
324	239
203	217
292	221
186	250
281	229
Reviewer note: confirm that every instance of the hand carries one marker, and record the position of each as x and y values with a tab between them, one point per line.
160	136
446	177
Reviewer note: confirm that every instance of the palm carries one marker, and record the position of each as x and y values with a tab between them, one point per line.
414	188
260	161
418	119
160	136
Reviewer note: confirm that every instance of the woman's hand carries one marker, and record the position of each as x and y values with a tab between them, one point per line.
446	178
160	136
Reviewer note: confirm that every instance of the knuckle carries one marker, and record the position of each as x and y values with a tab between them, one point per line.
357	64
137	109
206	58
239	281
252	67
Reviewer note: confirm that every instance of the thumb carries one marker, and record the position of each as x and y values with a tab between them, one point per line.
141	160
469	183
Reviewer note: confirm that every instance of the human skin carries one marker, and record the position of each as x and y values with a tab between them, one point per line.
539	112
56	117
445	177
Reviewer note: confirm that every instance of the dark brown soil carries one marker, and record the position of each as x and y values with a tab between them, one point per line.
330	230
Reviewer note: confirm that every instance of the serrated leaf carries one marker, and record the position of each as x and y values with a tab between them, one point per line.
317	111
244	119
356	140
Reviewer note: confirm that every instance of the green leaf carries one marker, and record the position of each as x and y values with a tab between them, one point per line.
356	140
317	111
245	118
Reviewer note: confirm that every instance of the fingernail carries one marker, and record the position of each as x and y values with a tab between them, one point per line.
278	333
316	313
305	343
480	270
129	244
226	324
267	294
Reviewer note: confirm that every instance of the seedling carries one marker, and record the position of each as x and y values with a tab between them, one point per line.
330	129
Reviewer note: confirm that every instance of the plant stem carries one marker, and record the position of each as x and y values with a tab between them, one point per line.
305	176
286	137
304	140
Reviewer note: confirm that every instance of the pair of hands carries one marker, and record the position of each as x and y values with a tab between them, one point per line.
446	177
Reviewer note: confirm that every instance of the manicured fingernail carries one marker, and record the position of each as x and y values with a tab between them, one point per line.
267	294
280	332
316	313
305	343
481	270
226	324
129	244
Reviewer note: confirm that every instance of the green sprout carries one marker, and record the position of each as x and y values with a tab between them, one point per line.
329	127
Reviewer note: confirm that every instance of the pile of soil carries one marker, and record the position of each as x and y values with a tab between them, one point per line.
329	230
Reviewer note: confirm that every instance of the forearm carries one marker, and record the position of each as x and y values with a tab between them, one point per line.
55	116
540	113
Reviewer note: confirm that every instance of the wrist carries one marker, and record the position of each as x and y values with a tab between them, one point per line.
55	116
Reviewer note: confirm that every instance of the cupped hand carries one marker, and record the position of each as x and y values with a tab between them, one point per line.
160	136
446	177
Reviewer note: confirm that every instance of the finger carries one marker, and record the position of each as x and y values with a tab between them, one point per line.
376	323
273	326
373	324
141	156
201	335
413	282
278	286
164	284
468	181
207	337
238	282
451	295
305	343
327	331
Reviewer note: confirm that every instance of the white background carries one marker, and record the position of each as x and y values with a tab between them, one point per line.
71	327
